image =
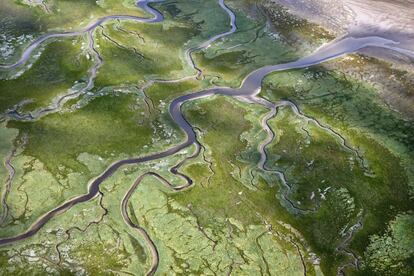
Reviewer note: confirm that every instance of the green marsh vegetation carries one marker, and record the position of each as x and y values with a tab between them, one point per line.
236	218
138	52
381	135
249	48
22	22
61	64
142	57
115	123
107	128
393	83
258	41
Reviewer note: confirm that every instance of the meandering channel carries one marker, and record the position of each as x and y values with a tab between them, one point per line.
249	88
143	4
124	203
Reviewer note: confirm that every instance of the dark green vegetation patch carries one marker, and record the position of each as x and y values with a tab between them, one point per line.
335	194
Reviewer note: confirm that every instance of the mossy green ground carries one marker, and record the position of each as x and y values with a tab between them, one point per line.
380	134
244	244
61	64
235	218
22	22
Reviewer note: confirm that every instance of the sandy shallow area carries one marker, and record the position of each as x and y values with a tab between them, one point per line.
386	18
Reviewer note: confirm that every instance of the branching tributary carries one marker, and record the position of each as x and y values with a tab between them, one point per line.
249	90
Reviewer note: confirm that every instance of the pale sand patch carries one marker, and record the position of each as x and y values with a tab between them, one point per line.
390	19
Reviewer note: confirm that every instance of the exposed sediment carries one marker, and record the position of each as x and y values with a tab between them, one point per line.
249	90
250	87
124	204
9	180
389	19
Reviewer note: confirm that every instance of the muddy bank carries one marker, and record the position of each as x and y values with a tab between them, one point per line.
391	72
389	19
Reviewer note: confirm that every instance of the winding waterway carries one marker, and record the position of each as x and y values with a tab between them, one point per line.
124	204
143	4
249	89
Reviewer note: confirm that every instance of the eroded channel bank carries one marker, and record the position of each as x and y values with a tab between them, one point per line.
143	4
250	88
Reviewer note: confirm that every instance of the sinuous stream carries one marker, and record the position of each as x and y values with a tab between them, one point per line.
249	90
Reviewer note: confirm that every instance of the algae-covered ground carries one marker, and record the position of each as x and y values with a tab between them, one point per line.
334	195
